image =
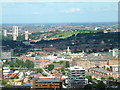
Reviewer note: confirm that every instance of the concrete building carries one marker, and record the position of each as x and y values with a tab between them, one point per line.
6	54
113	68
14	37
100	72
6	71
114	52
76	77
26	35
1	71
96	28
15	32
5	33
47	84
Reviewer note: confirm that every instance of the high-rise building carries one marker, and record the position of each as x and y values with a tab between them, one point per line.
26	35
5	33
15	32
14	36
76	77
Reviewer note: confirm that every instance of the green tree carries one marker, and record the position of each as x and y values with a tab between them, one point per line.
103	78
108	69
4	82
88	86
29	64
110	78
50	67
12	64
89	78
33	55
61	62
62	69
100	85
39	70
63	73
67	64
20	63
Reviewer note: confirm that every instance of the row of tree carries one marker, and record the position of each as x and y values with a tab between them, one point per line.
21	64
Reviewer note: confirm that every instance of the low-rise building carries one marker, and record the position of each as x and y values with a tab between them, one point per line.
100	72
1	71
113	68
49	83
58	65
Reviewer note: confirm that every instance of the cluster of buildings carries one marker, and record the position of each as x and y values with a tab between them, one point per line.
97	65
15	33
75	78
48	79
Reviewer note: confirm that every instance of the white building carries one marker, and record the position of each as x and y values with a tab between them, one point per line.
96	28
26	35
14	37
15	32
5	33
6	70
76	77
115	52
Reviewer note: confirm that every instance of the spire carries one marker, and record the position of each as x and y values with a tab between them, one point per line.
68	50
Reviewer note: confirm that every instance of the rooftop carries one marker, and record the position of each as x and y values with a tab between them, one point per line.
49	80
104	71
75	68
113	65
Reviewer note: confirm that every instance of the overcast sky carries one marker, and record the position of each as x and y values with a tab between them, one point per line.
59	12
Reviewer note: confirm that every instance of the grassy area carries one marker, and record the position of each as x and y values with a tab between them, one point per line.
64	34
70	33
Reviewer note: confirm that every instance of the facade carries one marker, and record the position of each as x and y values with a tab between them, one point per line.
100	72
114	52
58	65
47	84
76	77
15	32
26	35
113	68
6	55
14	37
5	33
6	71
1	71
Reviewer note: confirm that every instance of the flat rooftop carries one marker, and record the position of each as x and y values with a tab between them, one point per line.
104	71
49	80
75	68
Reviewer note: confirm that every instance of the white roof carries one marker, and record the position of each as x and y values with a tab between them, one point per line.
76	68
113	65
16	72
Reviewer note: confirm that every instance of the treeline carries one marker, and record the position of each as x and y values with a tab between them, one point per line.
21	64
86	41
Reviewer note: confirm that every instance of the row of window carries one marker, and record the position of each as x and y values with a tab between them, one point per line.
46	85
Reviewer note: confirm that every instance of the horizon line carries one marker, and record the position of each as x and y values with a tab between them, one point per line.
62	22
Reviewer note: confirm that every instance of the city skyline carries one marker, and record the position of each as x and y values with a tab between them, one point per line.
59	12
